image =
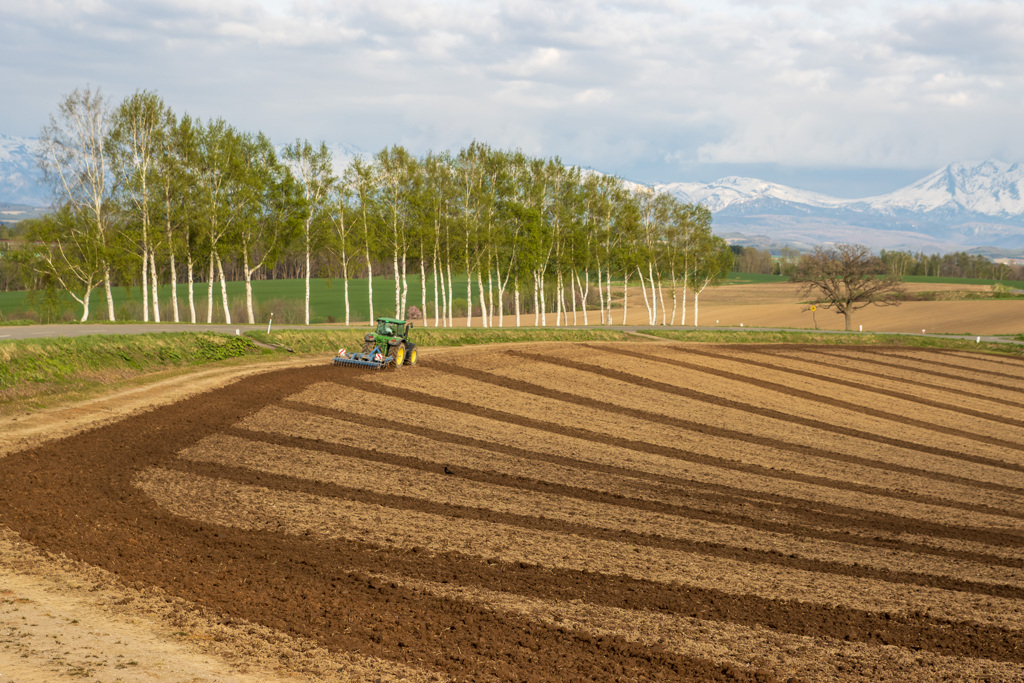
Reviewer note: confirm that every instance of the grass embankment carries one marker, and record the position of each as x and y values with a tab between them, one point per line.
37	373
835	339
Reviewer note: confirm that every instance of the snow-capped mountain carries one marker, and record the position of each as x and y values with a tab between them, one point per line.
20	177
991	188
960	206
725	192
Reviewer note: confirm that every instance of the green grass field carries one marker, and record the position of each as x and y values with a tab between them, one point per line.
285	299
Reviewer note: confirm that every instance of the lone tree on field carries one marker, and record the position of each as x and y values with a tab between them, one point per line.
847	277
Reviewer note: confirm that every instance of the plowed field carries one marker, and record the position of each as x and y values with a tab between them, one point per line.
560	512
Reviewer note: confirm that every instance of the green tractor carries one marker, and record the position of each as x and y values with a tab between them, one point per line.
387	345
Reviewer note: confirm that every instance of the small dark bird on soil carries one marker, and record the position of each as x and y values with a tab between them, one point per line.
447	471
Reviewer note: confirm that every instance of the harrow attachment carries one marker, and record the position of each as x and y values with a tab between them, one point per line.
375	359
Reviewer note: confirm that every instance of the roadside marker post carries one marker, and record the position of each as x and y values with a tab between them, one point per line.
270	323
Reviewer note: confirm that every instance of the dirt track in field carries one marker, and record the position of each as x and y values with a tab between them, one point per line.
554	512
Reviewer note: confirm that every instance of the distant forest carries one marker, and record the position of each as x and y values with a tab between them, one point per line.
900	263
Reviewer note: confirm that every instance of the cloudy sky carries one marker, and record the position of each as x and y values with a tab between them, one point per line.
824	95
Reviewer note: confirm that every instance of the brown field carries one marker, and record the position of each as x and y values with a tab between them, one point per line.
780	304
540	512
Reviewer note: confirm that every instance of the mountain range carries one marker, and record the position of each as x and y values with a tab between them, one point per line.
969	206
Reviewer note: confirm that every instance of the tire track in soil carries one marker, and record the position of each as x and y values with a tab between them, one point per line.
294	484
866	387
827	521
854	407
758	439
775	414
75	496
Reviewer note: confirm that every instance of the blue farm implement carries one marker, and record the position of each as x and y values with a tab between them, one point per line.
388	346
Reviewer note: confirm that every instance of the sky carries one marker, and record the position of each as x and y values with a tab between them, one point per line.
851	99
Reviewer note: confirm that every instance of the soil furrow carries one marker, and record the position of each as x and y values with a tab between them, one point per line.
326	522
861	386
722	432
991	529
704	501
775	414
857	407
299	468
919	365
75	496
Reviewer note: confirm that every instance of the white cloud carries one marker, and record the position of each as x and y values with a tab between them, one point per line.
606	84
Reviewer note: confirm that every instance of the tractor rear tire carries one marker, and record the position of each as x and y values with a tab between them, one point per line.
397	354
369	341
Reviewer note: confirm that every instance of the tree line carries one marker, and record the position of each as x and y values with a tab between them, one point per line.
899	263
145	197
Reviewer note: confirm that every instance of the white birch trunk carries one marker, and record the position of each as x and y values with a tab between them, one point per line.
518	320
369	282
608	281
155	284
451	295
485	318
109	292
306	273
536	301
209	292
643	288
423	290
145	280
344	274
224	291
248	289
583	296
191	288
661	299
543	303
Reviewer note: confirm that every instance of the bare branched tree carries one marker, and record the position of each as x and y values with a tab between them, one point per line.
847	277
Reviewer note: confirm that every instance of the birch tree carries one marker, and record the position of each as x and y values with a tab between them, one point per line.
75	159
137	143
314	169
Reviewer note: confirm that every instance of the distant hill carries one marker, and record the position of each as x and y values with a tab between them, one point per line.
963	206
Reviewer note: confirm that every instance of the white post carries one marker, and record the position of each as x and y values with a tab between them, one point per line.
270	323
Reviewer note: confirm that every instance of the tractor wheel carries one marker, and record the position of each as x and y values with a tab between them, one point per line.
369	341
410	356
397	354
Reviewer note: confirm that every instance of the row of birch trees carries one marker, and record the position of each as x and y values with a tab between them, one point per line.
145	197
